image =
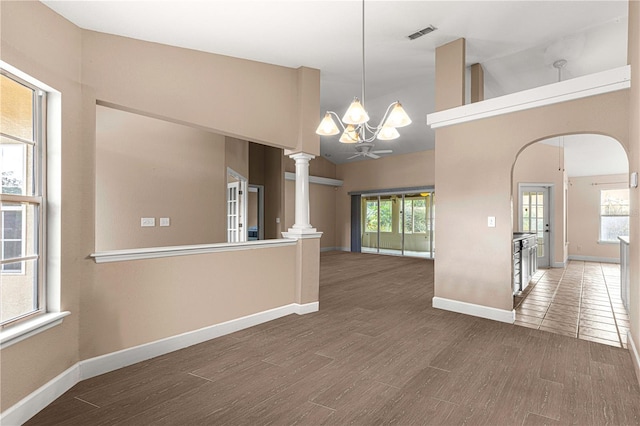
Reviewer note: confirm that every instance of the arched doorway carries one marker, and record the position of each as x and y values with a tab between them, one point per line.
572	193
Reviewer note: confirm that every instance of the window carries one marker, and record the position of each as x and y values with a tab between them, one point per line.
614	214
22	209
371	215
415	216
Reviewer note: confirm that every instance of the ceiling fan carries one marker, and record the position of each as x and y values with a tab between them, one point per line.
364	149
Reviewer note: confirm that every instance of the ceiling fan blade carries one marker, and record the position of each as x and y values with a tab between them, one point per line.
382	151
371	155
353	156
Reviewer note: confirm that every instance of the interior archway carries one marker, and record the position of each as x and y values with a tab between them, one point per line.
559	186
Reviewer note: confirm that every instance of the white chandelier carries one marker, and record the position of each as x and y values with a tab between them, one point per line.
356	126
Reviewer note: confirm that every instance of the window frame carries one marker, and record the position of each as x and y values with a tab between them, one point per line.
601	239
37	198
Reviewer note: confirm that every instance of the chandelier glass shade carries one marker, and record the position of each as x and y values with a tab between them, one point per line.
354	124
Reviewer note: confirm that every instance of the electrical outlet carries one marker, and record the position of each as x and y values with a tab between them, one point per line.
148	221
165	221
491	221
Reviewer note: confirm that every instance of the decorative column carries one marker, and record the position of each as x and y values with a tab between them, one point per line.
301	225
307	290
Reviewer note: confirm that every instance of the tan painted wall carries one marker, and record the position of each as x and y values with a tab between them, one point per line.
37	41
538	163
398	171
474	181
584	215
634	166
236	154
266	167
146	300
147	167
183	86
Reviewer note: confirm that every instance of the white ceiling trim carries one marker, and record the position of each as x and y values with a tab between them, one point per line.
577	88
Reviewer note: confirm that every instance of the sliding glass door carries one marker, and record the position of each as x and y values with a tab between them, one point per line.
398	224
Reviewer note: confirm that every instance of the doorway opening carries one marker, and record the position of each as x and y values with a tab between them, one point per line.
581	209
400	223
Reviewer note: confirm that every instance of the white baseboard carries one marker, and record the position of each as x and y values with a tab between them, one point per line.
33	403
559	264
595	259
487	312
635	356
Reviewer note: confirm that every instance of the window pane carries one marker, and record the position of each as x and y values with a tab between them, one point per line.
611	227
386	215
371	219
16	163
408	216
18	294
614	202
18	231
16	104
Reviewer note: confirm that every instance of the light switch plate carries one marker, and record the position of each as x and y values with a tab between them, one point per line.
491	221
148	221
165	221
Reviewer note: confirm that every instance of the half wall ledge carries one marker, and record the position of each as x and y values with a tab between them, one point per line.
157	252
568	90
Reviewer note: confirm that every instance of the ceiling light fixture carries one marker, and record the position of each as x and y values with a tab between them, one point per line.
356	118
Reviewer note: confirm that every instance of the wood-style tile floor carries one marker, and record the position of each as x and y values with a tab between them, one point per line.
376	353
582	300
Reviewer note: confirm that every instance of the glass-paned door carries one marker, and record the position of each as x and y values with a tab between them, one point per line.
233	213
534	218
399	224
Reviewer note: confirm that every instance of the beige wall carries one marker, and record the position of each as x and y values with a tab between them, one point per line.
147	167
37	41
584	216
634	166
473	181
236	155
182	86
538	164
142	301
398	171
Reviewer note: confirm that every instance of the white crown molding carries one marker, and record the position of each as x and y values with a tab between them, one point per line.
576	88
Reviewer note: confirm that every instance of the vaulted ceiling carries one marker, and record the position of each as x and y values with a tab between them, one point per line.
515	41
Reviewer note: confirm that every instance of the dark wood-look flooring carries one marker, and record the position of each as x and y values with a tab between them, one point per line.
375	353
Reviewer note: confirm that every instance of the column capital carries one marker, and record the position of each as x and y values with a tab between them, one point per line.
302	156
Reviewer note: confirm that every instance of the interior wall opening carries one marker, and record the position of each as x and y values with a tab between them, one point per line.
572	194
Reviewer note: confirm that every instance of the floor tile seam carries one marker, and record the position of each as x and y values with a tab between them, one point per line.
553	296
86	402
540	415
200	377
323	406
580	302
611	305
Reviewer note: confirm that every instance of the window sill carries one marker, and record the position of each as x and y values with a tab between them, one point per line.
16	333
608	242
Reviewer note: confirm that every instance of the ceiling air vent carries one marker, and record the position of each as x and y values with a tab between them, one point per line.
422	32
